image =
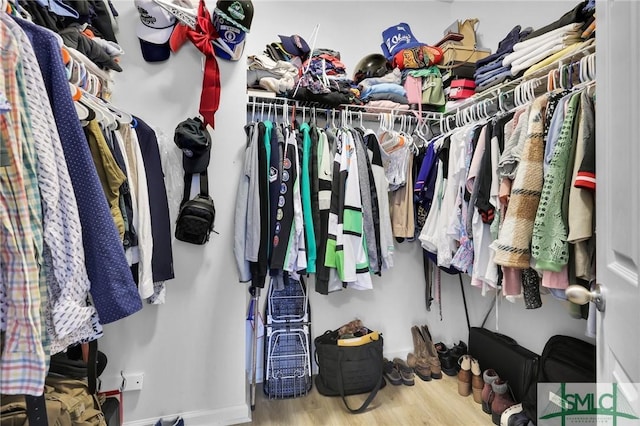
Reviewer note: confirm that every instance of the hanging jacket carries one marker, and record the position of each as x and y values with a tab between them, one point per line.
346	250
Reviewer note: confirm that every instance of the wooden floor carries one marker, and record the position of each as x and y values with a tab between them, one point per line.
426	403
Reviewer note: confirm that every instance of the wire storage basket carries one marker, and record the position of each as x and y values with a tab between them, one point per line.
287	361
288	369
289	304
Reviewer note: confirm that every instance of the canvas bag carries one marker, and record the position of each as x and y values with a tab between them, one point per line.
348	370
432	88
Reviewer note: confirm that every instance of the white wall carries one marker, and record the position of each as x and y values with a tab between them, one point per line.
192	349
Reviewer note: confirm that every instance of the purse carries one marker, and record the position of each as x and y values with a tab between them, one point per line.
349	370
196	216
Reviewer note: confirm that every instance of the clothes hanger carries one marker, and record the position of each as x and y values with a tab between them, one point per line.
253	112
85	114
122	116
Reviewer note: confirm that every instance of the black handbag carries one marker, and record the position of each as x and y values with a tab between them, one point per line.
348	370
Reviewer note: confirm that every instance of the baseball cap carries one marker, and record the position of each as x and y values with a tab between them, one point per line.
239	13
230	43
193	138
396	38
154	30
295	45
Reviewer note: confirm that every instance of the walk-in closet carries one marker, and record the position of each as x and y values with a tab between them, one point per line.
390	217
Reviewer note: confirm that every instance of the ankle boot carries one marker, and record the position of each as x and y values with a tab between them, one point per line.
477	384
464	375
489	376
431	354
447	362
501	399
456	352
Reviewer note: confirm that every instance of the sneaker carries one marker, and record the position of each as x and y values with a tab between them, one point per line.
177	422
391	373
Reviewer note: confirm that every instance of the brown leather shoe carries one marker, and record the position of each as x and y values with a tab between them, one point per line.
406	372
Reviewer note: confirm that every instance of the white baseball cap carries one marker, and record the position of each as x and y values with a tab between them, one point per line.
156	24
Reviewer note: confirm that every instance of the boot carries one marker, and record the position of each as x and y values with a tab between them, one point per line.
489	376
477	384
501	399
418	359
431	354
447	362
456	352
464	375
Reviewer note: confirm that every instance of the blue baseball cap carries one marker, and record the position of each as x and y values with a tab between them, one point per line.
230	43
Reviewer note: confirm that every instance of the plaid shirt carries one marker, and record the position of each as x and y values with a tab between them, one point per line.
23	365
68	318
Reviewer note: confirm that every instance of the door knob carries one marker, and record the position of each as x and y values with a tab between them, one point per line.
581	296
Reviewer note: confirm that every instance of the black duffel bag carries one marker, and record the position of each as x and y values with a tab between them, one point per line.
512	362
348	370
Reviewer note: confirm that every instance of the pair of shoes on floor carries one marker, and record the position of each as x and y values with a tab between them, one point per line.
449	357
404	371
424	359
496	395
470	379
177	422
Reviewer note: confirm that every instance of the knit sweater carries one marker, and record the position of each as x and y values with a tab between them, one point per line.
549	243
512	246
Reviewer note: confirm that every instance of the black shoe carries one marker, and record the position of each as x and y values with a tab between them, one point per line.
447	362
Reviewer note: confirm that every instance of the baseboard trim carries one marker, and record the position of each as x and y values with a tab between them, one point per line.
224	416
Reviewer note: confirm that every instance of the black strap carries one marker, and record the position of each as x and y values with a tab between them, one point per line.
373	393
36	410
92	367
464	300
466	310
204	186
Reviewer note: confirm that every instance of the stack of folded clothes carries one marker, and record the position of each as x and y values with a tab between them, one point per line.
533	50
490	71
273	76
386	92
522	50
277	69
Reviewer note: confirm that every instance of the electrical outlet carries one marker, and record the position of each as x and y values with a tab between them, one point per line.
133	382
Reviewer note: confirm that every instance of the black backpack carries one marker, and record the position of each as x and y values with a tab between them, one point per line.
197	216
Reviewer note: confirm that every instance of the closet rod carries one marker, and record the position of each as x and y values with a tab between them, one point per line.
490	98
508	86
279	102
